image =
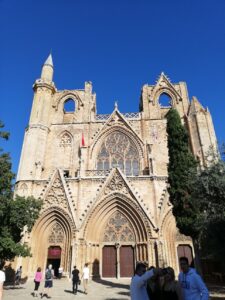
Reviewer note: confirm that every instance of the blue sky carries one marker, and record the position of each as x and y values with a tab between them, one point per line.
119	45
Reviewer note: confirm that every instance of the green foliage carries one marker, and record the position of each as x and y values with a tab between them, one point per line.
15	214
209	193
182	171
198	197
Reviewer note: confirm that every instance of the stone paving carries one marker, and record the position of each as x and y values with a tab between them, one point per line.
101	290
112	289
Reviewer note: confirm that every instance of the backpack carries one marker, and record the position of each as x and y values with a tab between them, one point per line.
48	275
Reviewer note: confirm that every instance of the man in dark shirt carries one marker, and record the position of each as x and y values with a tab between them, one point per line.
75	279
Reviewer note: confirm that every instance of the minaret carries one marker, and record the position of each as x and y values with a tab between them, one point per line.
47	69
34	145
44	88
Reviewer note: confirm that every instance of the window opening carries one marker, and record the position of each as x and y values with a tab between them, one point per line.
69	106
165	100
118	150
66	173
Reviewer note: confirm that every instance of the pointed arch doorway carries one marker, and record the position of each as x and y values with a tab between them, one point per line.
52	238
117	233
118	247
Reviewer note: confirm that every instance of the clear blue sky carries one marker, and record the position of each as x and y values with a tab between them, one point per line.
117	44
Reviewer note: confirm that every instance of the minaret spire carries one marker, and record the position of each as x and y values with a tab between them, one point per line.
47	69
49	61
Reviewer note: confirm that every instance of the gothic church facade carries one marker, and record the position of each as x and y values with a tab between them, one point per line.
103	178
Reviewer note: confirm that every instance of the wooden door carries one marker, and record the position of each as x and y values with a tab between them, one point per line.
126	261
185	250
109	261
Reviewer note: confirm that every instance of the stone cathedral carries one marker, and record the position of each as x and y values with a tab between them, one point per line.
103	178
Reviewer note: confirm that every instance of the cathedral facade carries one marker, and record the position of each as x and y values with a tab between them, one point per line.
103	178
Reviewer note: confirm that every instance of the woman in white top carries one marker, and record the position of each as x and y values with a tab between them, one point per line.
2	280
85	276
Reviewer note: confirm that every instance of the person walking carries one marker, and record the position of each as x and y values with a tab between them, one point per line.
138	286
75	279
2	280
60	272
18	276
48	282
171	289
37	280
85	276
191	283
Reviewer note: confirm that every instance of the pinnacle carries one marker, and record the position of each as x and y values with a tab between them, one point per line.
49	60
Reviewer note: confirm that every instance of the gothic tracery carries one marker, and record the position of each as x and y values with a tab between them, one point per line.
118	150
56	236
118	229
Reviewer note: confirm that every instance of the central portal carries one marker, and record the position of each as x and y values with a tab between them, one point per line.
114	261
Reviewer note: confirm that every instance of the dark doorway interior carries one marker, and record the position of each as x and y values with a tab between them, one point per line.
55	265
54	258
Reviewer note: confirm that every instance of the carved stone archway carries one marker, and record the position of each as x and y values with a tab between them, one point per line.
53	229
116	222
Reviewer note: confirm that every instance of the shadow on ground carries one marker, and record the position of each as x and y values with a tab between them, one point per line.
70	291
112	284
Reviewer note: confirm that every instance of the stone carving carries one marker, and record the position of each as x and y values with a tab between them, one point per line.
116	184
118	229
148	226
56	195
57	235
182	237
115	120
66	140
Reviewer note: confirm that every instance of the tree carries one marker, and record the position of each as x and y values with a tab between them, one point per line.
15	213
209	192
182	171
197	195
182	175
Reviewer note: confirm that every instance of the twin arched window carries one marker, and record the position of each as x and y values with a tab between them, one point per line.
118	150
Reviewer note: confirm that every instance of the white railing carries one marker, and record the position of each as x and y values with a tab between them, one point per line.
102	117
105	117
133	115
92	173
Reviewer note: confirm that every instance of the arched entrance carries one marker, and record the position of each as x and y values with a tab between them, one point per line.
118	229
120	232
52	239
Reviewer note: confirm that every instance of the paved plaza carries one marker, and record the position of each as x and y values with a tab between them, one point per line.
102	290
112	289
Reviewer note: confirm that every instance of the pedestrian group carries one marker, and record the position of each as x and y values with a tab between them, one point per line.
160	284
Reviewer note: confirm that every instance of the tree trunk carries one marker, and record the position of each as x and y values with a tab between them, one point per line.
197	261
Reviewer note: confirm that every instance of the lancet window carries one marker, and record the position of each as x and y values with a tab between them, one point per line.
65	140
118	150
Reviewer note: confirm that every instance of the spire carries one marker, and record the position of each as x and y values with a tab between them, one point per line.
47	69
49	61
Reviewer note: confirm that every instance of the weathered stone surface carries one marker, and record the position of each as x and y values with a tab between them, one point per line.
88	168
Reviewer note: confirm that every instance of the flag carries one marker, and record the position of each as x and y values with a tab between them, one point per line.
82	140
